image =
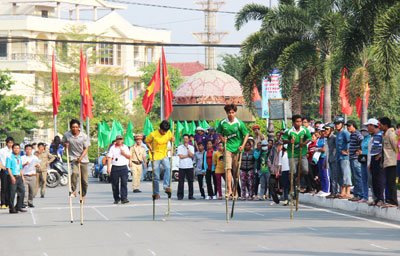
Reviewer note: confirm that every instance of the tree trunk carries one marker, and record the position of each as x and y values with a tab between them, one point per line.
327	115
271	130
297	95
364	110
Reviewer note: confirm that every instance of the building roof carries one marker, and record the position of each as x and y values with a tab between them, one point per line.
188	68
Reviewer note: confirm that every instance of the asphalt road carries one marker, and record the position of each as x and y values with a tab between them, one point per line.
194	228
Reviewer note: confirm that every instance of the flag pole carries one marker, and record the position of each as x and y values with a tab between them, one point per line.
55	125
162	101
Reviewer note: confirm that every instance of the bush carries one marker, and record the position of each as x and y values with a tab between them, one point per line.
17	135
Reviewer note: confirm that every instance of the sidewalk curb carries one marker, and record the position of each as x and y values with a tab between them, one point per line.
390	213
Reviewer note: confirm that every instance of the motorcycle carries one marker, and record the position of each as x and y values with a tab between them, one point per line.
53	178
58	166
175	170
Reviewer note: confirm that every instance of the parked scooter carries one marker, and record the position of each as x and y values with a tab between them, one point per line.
175	170
58	166
53	178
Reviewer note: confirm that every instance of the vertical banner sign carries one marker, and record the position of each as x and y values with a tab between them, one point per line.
271	89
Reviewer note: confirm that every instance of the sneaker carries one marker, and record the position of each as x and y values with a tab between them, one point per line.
203	197
4	207
13	211
208	197
192	198
286	203
273	203
116	202
24	206
214	197
125	201
42	196
180	198
31	206
324	194
137	191
22	210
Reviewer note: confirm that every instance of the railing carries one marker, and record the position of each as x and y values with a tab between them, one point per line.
27	56
140	64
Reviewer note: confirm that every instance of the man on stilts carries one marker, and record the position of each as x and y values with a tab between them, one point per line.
159	152
234	134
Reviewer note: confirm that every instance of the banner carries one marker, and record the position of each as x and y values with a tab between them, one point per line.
270	89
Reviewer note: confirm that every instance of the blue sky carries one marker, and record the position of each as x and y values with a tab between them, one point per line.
182	23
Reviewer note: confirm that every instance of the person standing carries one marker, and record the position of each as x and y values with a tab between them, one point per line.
273	166
375	150
77	144
355	166
234	134
306	123
211	178
117	169
342	157
200	170
200	137
284	174
389	160
186	156
15	179
4	154
297	137
218	162
258	136
363	159
247	171
264	170
323	172
213	137
137	160
256	180
161	138
331	160
45	160
29	163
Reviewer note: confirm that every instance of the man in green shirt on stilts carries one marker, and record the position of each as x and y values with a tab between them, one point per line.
234	133
294	136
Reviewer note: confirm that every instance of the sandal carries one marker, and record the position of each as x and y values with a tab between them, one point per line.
372	204
379	204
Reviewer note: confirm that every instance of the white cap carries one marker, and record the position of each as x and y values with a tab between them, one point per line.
200	129
372	121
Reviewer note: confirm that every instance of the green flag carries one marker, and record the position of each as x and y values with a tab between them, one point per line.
217	124
186	128
283	125
148	127
178	130
192	128
129	138
105	130
116	130
171	124
205	125
100	141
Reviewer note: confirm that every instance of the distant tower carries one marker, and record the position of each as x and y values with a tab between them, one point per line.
210	34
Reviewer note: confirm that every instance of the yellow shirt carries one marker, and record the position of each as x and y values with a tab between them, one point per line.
160	144
218	162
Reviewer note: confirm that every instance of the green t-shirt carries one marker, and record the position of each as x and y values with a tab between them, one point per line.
302	133
264	162
235	132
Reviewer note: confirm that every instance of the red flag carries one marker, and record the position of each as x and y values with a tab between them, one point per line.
167	88
321	102
346	108
54	87
86	92
359	101
256	94
152	89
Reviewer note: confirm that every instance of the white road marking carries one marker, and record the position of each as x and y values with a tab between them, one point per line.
313	229
378	246
220	230
126	205
45	254
128	235
152	252
39	238
263	247
354	217
256	213
33	217
100	213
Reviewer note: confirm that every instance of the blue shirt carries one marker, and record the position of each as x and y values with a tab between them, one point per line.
320	144
377	144
14	164
364	145
355	142
342	143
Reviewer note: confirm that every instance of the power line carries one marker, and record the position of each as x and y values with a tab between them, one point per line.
15	39
166	6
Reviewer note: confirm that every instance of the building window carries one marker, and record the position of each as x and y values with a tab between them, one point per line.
106	54
3	49
149	55
45	14
136	53
119	54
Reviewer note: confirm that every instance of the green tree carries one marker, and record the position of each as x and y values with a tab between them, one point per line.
231	65
15	116
175	79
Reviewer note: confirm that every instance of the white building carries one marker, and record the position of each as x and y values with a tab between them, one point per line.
46	19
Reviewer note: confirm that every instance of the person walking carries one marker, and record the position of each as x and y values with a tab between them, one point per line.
199	168
137	160
29	163
77	144
161	138
4	154
211	178
186	156
355	166
45	159
342	158
247	172
15	180
117	169
389	160
375	161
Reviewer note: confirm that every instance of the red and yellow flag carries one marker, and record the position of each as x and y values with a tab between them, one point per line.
86	93
152	89
54	87
167	88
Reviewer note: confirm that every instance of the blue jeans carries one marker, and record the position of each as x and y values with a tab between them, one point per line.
344	172
356	174
323	175
364	178
334	176
165	163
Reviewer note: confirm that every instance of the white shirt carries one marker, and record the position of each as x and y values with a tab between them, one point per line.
30	168
187	162
284	162
117	158
4	154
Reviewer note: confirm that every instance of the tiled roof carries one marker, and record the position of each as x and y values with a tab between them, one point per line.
188	68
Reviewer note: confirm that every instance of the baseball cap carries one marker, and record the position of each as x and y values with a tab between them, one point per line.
372	121
264	144
119	137
351	123
200	129
256	126
138	136
364	128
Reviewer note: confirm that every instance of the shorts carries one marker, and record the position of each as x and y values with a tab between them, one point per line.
231	160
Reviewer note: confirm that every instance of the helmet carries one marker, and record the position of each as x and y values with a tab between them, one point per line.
256	126
338	120
330	125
